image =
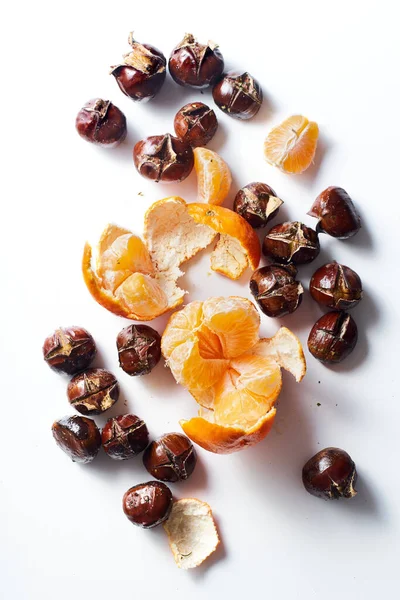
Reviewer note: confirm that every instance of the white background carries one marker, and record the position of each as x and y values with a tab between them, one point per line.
64	534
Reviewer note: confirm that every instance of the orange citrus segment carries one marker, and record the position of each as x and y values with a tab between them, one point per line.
193	371
291	145
181	327
142	295
224	440
235	321
213	176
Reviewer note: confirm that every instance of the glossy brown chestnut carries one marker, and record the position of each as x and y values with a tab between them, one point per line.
257	203
194	64
101	122
238	95
170	458
330	474
139	349
195	124
142	73
69	349
336	213
78	437
124	436
291	242
93	392
147	504
163	158
276	290
333	337
336	286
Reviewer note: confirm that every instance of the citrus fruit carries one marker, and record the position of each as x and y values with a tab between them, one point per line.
213	349
291	145
213	176
191	531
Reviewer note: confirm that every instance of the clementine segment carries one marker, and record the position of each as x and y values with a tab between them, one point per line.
291	145
214	178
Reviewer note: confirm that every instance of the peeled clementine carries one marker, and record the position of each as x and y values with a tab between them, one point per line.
214	178
291	145
213	349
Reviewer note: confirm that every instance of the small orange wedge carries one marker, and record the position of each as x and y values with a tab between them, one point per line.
214	178
291	145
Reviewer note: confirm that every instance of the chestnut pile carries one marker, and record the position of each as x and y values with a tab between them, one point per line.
141	75
288	245
170	458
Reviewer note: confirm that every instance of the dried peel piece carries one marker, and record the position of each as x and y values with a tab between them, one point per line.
191	531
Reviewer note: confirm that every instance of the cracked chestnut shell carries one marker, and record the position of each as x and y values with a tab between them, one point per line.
171	457
93	392
78	437
194	64
257	203
291	242
101	122
336	213
330	474
336	286
333	337
69	349
238	95
276	290
124	436
196	124
139	349
163	158
147	504
142	73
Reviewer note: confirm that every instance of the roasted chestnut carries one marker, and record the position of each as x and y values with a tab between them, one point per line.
78	437
171	457
276	290
124	436
291	242
147	504
139	349
93	392
69	349
336	286
163	158
142	73
336	213
194	64
257	203
101	122
238	95
330	474
195	124
333	337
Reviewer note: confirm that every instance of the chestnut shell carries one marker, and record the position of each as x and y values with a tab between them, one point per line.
336	213
330	474
163	158
101	122
195	65
336	286
238	95
147	504
333	337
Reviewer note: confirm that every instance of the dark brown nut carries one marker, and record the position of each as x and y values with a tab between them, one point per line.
101	122
336	213
147	504
78	437
291	242
257	203
93	392
142	72
124	436
238	95
195	124
170	458
276	290
139	349
333	337
330	474
336	286
163	158
69	349
195	65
